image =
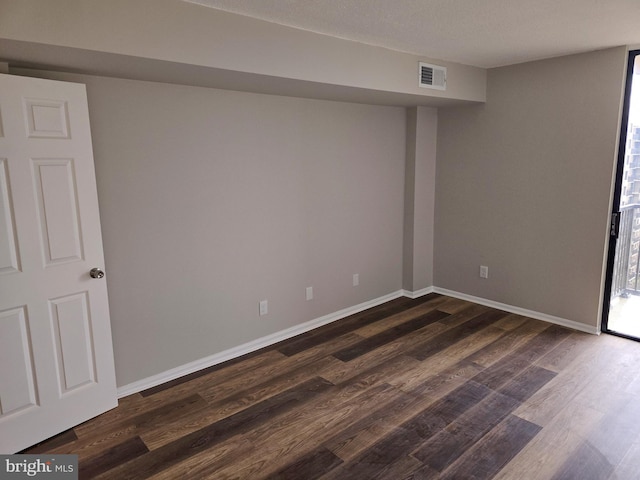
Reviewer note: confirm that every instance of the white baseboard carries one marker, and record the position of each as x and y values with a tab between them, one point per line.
417	293
519	311
252	346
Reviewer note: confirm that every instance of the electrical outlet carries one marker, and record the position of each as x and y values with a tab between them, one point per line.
484	271
263	307
356	279
309	293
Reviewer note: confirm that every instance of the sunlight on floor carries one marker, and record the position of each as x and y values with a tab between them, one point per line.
624	316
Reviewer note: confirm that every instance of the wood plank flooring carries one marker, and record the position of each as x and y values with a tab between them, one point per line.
428	388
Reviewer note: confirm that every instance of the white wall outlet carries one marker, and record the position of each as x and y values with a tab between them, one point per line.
484	271
309	293
356	279
263	307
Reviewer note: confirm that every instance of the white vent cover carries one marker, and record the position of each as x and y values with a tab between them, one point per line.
432	76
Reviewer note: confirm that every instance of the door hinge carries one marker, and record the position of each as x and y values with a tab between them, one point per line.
615	224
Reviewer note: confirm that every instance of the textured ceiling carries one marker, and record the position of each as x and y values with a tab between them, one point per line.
484	33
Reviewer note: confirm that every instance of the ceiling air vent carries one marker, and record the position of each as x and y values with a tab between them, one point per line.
432	76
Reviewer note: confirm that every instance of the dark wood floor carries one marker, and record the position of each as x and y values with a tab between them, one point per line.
413	389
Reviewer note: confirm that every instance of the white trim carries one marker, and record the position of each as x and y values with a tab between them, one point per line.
252	346
520	311
417	293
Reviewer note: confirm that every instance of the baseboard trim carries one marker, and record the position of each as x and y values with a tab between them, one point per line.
257	344
252	346
418	293
519	311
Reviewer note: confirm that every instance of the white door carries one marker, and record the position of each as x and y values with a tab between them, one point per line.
56	356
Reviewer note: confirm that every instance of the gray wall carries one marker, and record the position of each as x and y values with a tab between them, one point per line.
213	200
523	185
419	203
187	35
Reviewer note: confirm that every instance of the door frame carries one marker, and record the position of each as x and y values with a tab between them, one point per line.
617	192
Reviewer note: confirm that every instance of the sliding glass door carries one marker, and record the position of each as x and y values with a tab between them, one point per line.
621	313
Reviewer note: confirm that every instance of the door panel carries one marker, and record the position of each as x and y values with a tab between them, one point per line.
8	253
56	357
55	186
76	361
47	118
17	379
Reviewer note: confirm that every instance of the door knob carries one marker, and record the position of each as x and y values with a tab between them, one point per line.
96	273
